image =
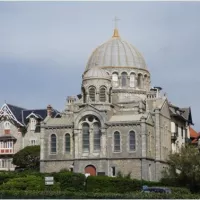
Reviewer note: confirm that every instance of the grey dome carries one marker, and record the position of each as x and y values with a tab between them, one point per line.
96	73
116	53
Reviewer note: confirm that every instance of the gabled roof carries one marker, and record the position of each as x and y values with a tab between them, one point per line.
40	113
19	114
187	114
16	111
183	113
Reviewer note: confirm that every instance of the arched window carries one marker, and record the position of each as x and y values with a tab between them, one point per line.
84	95
92	93
102	94
86	140
115	79
110	91
32	124
67	143
132	80
124	79
117	145
53	143
97	137
7	125
132	141
140	81
145	81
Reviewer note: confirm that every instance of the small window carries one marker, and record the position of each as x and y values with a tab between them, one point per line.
116	141
53	143
7	125
85	136
92	93
32	124
3	163
186	135
145	81
102	94
132	141
33	142
113	171
115	79
67	142
71	169
176	128
124	79
140	81
182	132
97	137
132	80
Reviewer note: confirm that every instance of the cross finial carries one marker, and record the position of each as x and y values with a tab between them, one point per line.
116	34
115	20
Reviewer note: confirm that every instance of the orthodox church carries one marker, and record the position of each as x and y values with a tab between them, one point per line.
119	122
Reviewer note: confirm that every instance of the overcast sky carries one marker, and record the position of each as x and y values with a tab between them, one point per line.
44	47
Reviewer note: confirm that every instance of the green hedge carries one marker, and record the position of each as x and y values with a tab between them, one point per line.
6	176
29	182
11	194
70	181
112	184
123	185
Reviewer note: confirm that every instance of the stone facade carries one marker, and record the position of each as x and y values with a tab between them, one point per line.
119	123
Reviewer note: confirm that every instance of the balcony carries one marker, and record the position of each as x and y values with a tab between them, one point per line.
6	151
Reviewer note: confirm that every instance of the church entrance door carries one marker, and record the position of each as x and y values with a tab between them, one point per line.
91	170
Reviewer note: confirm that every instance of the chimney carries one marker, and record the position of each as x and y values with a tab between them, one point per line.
49	110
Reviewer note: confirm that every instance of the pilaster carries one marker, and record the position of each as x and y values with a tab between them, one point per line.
157	129
144	137
103	142
76	143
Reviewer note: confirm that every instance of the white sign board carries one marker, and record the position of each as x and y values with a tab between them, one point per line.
49	180
49	183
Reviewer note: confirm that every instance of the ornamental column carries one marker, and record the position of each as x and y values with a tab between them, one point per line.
103	142
76	144
91	141
157	127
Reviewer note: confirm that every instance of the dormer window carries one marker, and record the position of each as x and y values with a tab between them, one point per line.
32	124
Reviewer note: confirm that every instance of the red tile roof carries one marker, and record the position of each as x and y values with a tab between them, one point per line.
193	133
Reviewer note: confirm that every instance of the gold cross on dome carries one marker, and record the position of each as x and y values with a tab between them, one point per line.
115	21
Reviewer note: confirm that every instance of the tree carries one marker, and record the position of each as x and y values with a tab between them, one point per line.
184	168
28	158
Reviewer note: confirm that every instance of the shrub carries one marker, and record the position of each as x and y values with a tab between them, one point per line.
28	158
70	181
111	184
180	190
24	183
29	182
6	176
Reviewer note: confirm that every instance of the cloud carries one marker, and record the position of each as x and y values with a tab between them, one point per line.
45	47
